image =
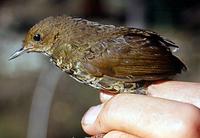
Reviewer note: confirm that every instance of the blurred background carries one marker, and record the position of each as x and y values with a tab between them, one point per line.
37	100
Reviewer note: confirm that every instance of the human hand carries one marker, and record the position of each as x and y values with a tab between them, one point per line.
170	111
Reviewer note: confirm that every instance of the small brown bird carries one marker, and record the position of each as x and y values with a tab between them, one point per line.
106	57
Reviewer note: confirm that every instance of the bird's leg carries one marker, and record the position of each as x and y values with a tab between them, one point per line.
141	87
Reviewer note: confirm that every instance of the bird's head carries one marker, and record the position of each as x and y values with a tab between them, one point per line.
40	38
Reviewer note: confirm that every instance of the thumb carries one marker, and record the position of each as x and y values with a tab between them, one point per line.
142	116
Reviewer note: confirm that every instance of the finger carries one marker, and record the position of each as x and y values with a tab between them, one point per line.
143	116
187	92
114	134
105	96
118	134
98	136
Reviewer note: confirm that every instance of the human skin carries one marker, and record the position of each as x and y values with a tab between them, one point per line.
171	110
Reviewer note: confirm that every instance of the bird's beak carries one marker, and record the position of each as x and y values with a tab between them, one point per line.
18	53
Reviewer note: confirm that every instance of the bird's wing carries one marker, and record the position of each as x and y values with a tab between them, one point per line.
135	55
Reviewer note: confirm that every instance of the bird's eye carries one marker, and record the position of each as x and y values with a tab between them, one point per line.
37	37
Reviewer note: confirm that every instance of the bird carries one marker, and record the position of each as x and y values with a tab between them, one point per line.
115	59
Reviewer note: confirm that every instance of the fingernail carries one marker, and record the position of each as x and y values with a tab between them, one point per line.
151	88
105	97
91	115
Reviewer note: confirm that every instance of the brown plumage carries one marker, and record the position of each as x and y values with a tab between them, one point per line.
118	59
